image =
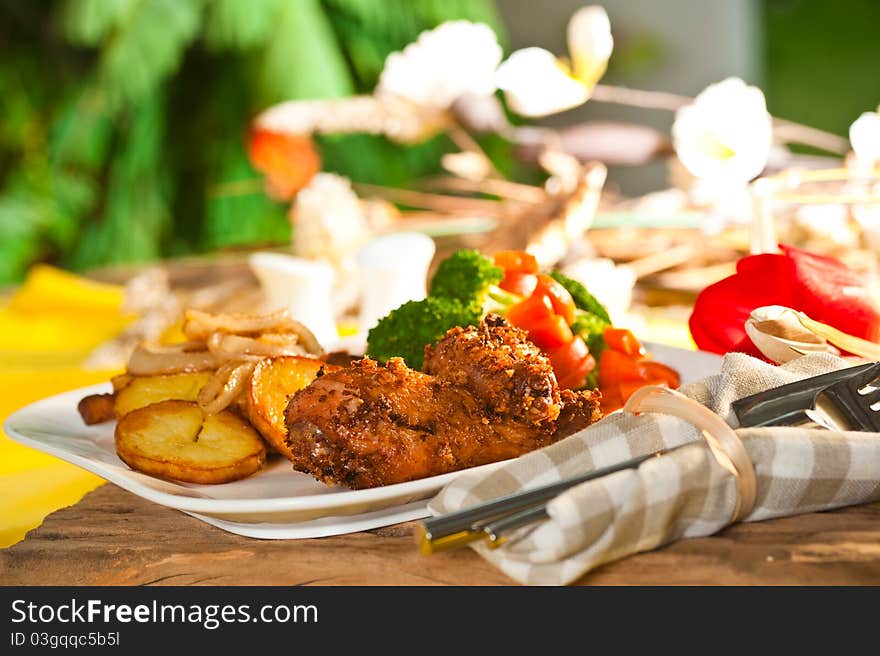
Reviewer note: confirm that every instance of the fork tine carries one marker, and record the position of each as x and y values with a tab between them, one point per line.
866	377
871	397
855	405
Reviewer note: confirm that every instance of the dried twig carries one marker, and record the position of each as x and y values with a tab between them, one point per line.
787	131
517	191
437	202
463	139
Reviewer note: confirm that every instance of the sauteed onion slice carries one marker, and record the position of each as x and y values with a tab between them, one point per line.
151	360
224	386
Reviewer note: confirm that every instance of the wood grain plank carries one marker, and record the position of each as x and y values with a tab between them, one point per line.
115	538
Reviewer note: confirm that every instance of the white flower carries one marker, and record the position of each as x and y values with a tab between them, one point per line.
589	43
328	221
864	135
725	134
454	59
537	83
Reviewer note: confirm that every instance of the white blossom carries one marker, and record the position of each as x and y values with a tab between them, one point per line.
864	135
725	134
590	43
537	83
452	60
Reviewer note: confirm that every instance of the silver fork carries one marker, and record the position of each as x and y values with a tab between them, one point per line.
851	404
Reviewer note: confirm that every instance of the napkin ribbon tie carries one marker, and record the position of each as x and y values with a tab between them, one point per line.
724	444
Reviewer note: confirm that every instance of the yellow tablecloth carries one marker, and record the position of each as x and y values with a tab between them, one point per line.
47	328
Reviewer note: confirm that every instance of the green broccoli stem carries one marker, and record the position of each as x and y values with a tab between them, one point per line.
499	301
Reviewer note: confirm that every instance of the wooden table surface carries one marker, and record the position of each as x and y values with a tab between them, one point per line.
113	537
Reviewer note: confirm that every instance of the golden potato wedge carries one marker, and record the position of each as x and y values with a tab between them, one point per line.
120	381
96	408
174	440
272	384
145	390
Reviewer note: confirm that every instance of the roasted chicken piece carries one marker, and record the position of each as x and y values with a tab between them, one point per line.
487	394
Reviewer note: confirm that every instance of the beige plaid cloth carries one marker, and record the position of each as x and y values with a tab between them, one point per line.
680	495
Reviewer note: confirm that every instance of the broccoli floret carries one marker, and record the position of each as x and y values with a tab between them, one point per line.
591	328
466	275
407	330
583	299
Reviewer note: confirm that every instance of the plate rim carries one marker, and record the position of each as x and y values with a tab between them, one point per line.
335	500
411	490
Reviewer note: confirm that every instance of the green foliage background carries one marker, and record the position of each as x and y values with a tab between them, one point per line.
124	120
822	60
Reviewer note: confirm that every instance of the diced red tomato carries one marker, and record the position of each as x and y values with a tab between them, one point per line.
627	388
623	369
516	261
568	355
550	332
615	367
611	399
623	340
661	372
562	301
528	312
572	362
519	282
575	378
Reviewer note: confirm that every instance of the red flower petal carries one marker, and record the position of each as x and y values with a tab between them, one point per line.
717	322
822	287
828	291
289	161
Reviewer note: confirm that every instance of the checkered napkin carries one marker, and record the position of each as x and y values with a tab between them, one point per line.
683	494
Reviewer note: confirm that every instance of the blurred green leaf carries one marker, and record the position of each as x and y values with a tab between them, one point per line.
237	25
136	211
234	217
88	22
146	47
303	59
20	222
82	134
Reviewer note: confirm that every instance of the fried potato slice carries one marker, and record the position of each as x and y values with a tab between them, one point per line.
145	390
174	440
272	384
120	381
96	408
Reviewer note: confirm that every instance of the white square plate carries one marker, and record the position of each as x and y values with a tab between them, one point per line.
276	503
